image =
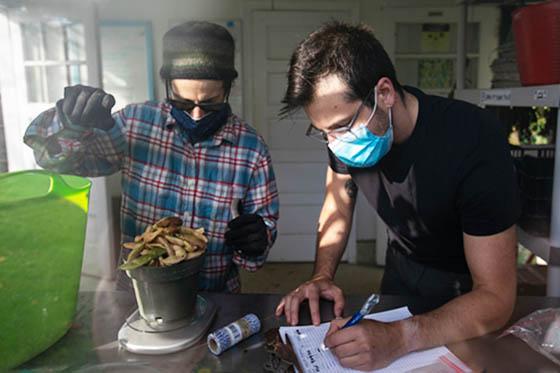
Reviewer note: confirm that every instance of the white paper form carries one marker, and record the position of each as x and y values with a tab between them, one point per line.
306	341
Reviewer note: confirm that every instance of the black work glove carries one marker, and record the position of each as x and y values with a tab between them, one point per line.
86	107
248	235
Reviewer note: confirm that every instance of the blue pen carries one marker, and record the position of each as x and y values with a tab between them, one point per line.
358	316
366	308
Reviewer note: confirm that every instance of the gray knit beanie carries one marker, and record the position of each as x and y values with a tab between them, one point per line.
198	50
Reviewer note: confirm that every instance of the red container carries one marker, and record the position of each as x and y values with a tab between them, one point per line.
537	42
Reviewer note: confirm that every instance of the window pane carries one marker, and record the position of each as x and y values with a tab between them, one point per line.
471	73
84	74
34	80
78	74
56	81
434	38
54	42
407	71
426	73
31	39
473	37
76	42
408	37
435	73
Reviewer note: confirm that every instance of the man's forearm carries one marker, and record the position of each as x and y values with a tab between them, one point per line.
491	260
333	230
470	315
327	258
335	222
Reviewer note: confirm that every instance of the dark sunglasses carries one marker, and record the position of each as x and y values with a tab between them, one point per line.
188	105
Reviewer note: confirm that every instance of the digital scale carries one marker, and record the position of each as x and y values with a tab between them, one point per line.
141	336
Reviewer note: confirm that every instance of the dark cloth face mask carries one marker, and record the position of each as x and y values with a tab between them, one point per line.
203	128
198	130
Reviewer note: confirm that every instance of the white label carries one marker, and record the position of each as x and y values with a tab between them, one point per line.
500	97
235	333
540	94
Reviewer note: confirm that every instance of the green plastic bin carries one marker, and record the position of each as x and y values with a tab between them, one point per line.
42	230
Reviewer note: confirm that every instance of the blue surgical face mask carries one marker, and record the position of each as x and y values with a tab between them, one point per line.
362	148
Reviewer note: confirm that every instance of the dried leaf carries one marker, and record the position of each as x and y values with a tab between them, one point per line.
152	246
200	234
169	221
193	239
136	250
150	236
189	247
131	245
179	251
174	240
194	254
140	261
165	244
172	260
172	229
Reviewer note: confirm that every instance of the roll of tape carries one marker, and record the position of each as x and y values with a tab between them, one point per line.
230	335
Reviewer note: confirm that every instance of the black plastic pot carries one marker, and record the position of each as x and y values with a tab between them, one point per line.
167	294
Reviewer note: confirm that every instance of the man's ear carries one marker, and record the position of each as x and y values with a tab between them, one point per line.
386	93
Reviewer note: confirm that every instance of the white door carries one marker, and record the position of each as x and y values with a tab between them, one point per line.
45	48
300	163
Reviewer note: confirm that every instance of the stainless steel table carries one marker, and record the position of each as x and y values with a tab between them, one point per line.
90	345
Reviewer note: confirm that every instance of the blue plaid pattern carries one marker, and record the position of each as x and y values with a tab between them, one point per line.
163	174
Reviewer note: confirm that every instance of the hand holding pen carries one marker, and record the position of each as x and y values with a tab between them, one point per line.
372	300
368	344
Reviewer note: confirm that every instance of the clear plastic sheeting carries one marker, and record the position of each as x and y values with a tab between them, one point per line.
541	331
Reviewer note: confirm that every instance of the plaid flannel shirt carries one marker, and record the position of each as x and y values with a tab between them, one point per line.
163	174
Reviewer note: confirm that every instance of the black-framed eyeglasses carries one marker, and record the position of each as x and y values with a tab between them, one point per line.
323	136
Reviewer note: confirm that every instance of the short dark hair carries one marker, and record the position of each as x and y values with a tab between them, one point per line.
350	51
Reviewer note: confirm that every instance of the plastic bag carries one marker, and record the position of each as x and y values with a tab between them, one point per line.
541	331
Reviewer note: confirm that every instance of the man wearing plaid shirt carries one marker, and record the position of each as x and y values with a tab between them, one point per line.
188	156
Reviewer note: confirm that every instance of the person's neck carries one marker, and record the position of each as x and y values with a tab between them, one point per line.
405	115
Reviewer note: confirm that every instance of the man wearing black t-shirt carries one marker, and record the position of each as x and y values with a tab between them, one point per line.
439	174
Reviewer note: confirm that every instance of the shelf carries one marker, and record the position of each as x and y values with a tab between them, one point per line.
544	95
537	245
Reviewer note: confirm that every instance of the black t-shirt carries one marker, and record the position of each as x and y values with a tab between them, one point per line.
454	174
